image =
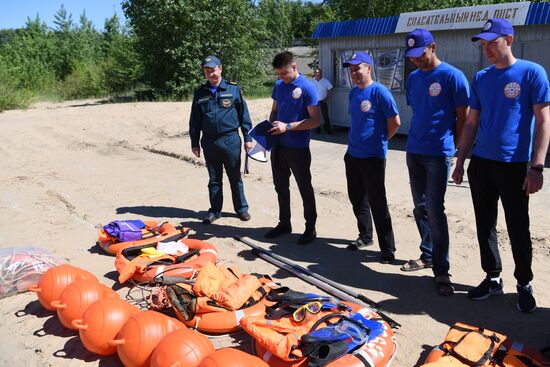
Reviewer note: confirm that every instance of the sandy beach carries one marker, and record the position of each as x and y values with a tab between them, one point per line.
69	168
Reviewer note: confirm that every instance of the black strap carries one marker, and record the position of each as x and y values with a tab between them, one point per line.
187	256
363	360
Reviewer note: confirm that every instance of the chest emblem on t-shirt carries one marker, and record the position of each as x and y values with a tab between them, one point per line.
297	93
512	90
366	105
435	89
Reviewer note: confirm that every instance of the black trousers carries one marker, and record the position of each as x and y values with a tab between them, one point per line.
489	181
367	192
287	160
326	119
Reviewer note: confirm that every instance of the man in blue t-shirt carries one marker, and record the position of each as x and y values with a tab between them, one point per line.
294	113
508	159
438	95
374	120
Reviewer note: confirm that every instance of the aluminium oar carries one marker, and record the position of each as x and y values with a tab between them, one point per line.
319	281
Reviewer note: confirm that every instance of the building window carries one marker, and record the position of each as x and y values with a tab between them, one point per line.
388	68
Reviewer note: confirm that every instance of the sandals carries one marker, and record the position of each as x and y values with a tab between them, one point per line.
413	265
359	243
444	286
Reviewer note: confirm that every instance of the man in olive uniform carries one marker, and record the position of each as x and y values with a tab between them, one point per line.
219	111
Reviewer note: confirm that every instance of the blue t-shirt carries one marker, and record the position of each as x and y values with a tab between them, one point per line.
505	99
370	109
434	96
293	100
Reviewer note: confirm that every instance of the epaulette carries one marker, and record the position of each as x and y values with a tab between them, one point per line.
232	83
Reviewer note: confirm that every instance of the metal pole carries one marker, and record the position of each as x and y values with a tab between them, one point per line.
319	281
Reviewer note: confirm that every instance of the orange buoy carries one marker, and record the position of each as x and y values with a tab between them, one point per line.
181	348
101	322
231	357
76	298
55	280
140	335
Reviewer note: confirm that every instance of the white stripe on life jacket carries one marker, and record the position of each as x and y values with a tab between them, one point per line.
160	270
239	314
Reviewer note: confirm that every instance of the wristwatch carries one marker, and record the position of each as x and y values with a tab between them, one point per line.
288	127
539	168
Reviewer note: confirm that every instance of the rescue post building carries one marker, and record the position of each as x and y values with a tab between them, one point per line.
384	40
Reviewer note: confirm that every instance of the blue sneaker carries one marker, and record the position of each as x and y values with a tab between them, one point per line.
486	289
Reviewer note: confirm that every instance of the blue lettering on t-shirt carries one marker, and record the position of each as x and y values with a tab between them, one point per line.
505	99
293	99
370	109
434	96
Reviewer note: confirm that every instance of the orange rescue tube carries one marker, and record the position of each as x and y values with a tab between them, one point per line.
101	323
223	322
378	352
140	335
76	298
153	232
55	280
147	269
230	357
181	348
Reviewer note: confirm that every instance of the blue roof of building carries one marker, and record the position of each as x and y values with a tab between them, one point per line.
357	27
539	13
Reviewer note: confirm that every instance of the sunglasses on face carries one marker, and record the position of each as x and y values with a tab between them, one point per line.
313	307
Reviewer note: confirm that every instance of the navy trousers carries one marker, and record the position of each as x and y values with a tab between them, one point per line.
219	153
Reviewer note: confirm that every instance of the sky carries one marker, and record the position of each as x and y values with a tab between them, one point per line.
14	13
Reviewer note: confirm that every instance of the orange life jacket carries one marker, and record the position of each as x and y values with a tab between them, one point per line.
220	289
467	345
281	337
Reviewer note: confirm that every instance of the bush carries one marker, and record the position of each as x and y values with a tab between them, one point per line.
11	98
85	81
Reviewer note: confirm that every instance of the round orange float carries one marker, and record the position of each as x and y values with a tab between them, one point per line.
150	269
181	348
140	335
55	280
230	357
152	233
76	298
101	322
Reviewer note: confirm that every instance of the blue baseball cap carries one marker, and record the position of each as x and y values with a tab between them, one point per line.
493	29
416	42
358	58
211	62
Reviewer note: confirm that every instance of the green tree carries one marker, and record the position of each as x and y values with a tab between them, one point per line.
174	36
123	68
277	23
